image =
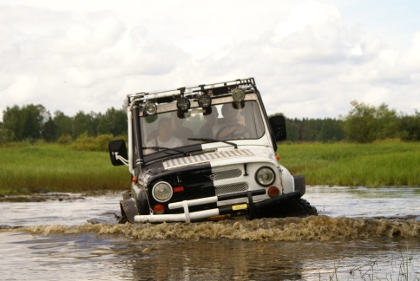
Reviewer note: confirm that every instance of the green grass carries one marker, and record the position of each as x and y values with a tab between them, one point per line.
391	163
26	169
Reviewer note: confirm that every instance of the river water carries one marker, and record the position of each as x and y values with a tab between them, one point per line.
360	234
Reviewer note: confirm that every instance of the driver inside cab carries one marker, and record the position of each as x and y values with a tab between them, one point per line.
231	127
164	138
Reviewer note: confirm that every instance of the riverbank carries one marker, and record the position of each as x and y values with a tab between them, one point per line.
28	169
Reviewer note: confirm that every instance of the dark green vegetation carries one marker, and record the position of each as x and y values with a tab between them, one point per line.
27	168
34	122
363	124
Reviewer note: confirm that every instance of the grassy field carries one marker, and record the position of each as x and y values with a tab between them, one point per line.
26	168
391	163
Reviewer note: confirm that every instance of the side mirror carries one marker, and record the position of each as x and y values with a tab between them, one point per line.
118	152
278	126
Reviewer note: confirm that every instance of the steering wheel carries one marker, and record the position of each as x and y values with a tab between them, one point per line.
231	131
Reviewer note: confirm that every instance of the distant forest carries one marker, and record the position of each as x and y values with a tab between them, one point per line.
363	124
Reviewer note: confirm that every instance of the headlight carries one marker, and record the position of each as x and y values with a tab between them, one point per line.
265	176
162	191
150	108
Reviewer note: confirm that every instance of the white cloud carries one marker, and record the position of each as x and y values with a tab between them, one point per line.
310	58
313	32
412	57
89	33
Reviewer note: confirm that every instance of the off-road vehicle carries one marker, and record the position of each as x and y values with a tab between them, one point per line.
206	152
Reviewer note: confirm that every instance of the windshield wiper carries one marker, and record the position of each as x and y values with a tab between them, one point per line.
214	140
164	149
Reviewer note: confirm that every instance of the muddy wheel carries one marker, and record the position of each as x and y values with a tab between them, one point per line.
299	208
293	208
123	219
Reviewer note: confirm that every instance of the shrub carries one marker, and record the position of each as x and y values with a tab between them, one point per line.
64	139
84	142
103	140
88	143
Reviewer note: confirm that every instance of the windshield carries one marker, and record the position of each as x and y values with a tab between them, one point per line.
228	121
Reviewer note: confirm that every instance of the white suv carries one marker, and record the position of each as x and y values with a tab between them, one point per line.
205	153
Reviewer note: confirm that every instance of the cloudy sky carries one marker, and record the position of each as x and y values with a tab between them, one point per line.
310	58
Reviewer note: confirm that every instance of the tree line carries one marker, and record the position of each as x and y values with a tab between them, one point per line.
34	122
363	124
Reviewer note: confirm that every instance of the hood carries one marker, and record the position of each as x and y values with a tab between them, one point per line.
221	158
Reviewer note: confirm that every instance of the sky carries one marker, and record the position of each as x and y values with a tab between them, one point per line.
309	58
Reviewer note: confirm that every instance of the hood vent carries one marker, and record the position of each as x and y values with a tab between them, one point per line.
206	157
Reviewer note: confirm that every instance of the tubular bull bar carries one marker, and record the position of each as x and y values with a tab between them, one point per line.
248	208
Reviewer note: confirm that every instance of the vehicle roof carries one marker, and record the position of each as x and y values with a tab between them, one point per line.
214	89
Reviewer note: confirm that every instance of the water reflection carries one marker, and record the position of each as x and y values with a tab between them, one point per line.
95	256
218	260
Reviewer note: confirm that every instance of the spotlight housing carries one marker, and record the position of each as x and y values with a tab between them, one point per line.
238	95
204	101
150	108
183	104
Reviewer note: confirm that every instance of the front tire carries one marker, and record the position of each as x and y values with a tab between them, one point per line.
123	219
296	207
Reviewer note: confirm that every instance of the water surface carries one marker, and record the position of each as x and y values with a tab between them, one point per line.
360	234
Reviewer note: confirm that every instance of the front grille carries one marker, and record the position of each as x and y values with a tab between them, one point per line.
231	188
227	174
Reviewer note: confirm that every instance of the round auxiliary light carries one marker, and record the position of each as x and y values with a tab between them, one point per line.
183	104
265	176
238	95
150	108
204	101
162	191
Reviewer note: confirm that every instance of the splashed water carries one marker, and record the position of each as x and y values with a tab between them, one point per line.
320	228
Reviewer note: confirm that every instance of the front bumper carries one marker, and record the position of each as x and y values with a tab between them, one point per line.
249	208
